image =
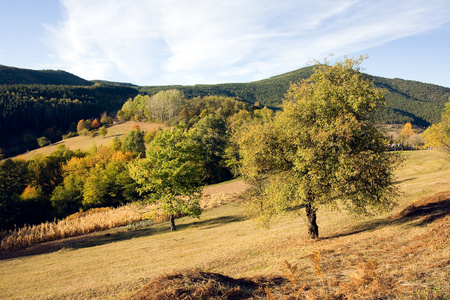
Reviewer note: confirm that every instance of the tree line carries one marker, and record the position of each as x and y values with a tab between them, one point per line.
321	148
33	109
407	101
200	147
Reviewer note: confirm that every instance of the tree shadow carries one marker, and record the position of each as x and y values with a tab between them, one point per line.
115	235
404	180
157	229
414	215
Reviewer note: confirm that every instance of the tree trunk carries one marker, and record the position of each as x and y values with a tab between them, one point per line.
313	229
172	223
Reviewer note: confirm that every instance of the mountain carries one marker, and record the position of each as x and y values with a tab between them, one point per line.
407	101
11	75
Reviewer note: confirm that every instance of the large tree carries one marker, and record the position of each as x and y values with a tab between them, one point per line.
170	174
322	148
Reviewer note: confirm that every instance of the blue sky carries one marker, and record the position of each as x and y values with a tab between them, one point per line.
153	42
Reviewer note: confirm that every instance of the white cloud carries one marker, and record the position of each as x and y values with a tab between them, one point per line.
185	42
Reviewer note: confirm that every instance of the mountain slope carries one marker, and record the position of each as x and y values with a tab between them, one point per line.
11	75
407	101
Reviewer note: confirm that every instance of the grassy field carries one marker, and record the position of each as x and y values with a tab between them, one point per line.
84	142
118	263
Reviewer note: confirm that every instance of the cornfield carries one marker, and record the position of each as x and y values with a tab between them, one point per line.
77	224
93	220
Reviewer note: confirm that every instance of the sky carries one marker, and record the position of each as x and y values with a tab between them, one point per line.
162	42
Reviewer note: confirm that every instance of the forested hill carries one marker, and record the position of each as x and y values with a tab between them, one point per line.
10	75
407	101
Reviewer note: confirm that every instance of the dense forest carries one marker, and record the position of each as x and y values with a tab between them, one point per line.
211	115
48	103
10	75
34	109
407	101
65	182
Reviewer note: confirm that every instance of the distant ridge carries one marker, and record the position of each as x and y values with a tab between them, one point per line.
11	75
407	101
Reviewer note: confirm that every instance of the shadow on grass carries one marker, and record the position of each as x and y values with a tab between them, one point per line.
156	229
420	214
115	235
404	180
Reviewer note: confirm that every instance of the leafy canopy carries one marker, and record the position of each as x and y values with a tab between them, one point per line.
323	148
438	135
170	173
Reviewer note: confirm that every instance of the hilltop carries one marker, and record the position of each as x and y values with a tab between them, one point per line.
11	75
407	101
33	102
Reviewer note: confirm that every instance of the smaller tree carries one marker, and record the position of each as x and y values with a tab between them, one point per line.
134	142
105	119
81	125
43	141
170	174
95	124
438	135
103	131
88	124
406	133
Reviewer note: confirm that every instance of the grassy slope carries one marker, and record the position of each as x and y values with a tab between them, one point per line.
84	142
225	241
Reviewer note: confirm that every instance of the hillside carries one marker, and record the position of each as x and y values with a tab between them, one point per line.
374	258
407	101
34	102
11	75
84	142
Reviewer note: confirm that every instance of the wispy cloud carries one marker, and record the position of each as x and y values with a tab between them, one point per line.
197	41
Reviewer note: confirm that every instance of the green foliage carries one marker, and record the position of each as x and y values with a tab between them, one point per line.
38	107
210	133
323	148
160	107
134	142
13	177
103	131
170	173
438	135
407	101
26	188
43	141
10	75
29	141
96	180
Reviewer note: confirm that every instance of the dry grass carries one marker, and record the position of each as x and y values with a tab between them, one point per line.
84	142
100	219
74	225
400	256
